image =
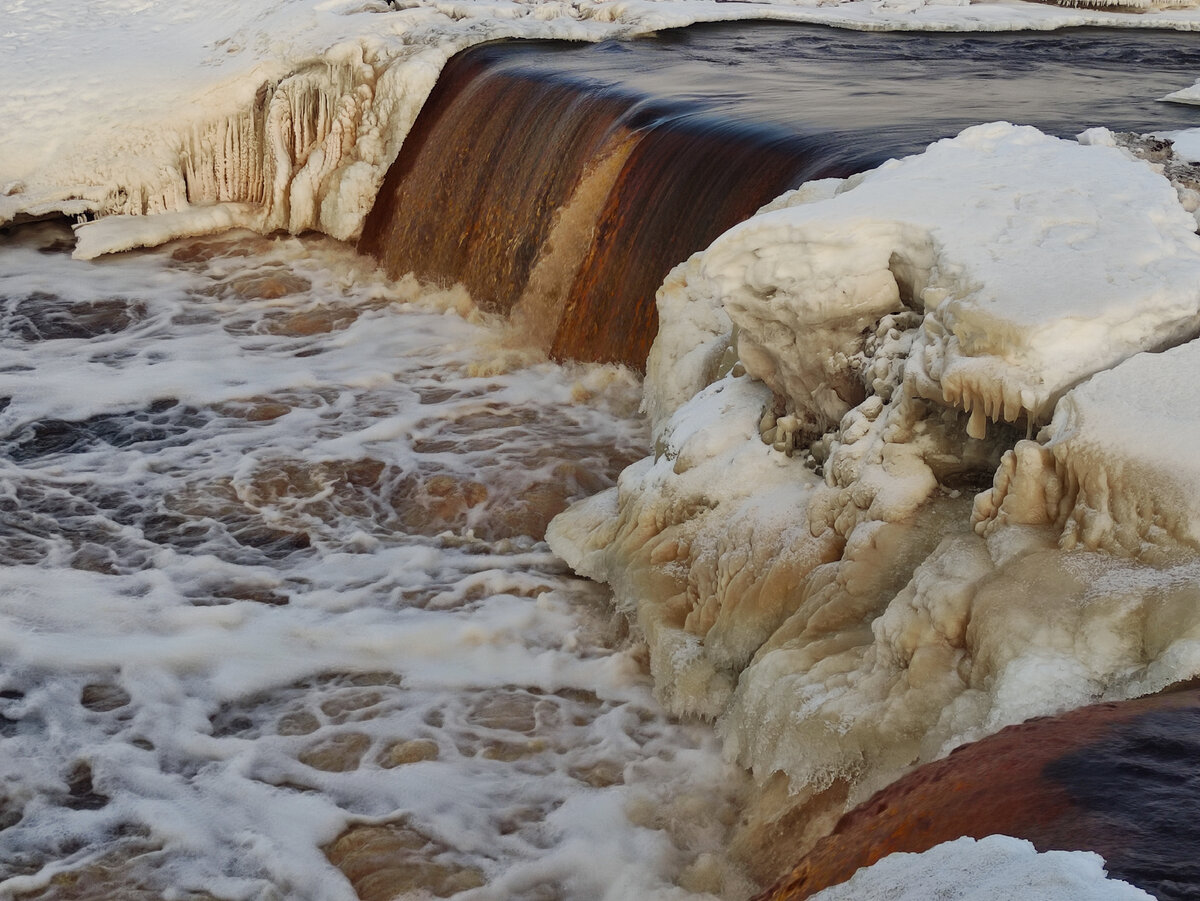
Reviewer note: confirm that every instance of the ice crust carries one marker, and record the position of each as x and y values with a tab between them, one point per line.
297	109
995	868
870	331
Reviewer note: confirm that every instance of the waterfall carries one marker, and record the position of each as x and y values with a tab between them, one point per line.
277	612
565	202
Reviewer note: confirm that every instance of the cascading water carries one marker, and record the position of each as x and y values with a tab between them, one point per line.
561	185
551	199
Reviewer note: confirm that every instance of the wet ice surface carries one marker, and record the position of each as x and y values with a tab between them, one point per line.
270	566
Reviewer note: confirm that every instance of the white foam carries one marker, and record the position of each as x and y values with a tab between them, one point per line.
274	502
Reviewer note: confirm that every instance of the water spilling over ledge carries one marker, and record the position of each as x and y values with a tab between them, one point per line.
564	204
560	186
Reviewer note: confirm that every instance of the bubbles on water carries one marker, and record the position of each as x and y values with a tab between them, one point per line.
275	615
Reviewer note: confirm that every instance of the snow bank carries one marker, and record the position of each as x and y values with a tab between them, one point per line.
995	868
868	331
1004	334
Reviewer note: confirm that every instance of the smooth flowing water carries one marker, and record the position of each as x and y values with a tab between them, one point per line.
564	182
276	620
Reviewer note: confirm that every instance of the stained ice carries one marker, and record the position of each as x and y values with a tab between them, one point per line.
982	314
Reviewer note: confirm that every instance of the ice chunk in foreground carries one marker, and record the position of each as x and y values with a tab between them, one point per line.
995	868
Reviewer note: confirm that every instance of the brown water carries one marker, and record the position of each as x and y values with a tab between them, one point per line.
562	183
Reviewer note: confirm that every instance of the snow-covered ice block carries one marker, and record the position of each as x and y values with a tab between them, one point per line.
1097	478
1037	262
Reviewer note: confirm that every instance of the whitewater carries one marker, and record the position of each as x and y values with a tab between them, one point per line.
277	615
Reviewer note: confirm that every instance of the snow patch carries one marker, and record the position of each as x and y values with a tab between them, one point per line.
995	868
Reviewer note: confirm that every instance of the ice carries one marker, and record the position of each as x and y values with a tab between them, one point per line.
704	563
994	868
1004	333
1187	144
1095	479
1185	95
882	325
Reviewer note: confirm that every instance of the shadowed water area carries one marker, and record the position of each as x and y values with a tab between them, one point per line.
276	616
562	182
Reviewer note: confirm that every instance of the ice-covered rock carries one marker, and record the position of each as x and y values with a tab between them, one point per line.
706	565
874	623
982	253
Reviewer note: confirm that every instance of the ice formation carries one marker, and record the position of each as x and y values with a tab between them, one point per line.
995	868
858	340
1095	479
831	601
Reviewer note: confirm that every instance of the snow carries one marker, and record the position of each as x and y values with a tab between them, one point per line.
1185	95
995	868
1187	143
718	556
832	382
1096	478
982	255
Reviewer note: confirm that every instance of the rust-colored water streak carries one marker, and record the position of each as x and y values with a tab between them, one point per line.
491	158
684	184
565	202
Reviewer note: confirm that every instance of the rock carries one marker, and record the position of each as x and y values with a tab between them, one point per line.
1121	779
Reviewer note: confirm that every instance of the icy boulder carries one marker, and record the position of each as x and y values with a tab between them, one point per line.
704	544
1036	262
800	552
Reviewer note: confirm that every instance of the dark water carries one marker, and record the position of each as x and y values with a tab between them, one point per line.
564	181
893	92
1143	783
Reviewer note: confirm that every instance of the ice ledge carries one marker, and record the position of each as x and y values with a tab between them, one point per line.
1097	479
113	234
